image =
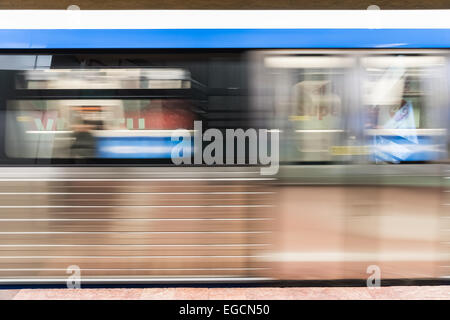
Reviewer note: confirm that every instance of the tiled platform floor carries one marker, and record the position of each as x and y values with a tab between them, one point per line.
407	292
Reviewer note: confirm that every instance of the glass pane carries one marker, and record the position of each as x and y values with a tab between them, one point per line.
401	97
94	128
118	105
312	91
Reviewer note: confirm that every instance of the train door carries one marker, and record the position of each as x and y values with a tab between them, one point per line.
309	97
404	105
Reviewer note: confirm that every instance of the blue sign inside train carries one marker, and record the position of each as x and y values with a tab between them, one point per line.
407	144
395	149
135	147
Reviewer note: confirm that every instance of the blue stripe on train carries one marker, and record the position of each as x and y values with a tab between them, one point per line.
407	148
223	38
138	147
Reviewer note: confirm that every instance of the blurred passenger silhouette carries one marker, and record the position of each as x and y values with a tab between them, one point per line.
83	146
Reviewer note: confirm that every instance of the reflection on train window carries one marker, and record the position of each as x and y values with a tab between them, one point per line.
402	108
97	122
312	91
156	78
94	128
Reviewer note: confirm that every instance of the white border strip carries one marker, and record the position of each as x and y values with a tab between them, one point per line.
223	19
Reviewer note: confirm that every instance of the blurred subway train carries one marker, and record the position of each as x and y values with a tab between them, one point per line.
90	100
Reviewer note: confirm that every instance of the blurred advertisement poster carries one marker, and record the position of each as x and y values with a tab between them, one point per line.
399	140
397	147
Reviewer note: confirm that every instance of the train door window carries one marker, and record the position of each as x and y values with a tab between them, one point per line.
311	92
403	97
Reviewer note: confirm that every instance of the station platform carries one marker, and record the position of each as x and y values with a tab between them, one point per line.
258	293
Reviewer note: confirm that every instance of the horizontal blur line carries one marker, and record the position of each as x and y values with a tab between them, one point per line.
144	219
131	232
125	257
130	193
131	132
144	131
192	276
149	279
336	256
400	132
139	172
133	269
317	131
143	179
47	131
119	206
137	245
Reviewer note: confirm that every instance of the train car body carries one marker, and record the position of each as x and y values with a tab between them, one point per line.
89	101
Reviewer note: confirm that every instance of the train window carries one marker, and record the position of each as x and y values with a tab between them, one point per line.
403	107
311	91
114	108
96	128
24	62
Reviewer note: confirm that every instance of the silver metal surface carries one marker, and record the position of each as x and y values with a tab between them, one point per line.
133	224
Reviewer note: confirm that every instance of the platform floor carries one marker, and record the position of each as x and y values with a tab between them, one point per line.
264	293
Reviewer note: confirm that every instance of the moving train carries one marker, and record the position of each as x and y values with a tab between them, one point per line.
90	101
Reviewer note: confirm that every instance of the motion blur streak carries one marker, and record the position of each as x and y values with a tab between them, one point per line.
87	177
